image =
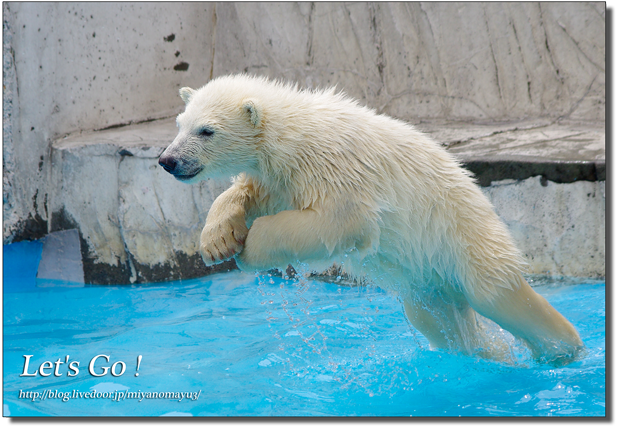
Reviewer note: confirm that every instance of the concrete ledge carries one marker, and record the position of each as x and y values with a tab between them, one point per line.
138	224
562	172
562	152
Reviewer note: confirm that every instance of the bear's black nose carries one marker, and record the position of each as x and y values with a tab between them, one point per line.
168	163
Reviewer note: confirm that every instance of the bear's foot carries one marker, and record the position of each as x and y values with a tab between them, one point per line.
222	241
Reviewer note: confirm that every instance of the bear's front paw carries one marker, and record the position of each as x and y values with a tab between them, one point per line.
222	241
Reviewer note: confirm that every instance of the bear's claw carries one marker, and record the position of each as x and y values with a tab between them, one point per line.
222	240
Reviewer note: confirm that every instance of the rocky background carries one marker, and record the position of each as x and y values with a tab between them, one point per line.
70	69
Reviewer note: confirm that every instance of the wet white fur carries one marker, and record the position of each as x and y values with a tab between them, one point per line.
321	180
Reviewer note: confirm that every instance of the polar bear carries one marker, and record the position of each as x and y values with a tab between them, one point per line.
320	179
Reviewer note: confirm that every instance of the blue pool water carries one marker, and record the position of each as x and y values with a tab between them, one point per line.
267	346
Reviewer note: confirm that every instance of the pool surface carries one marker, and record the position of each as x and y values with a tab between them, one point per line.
236	344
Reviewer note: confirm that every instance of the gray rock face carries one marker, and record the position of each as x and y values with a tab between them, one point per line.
482	61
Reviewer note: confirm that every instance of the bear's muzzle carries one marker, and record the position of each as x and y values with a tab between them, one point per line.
177	168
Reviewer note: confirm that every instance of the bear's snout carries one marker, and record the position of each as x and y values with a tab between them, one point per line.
168	162
178	167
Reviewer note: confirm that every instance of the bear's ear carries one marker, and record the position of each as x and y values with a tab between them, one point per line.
252	109
186	94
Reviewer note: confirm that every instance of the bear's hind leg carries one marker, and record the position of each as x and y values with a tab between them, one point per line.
527	315
447	324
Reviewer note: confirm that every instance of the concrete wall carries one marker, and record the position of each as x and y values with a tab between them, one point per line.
85	66
559	228
72	67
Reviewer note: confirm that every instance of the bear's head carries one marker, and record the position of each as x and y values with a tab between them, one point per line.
218	134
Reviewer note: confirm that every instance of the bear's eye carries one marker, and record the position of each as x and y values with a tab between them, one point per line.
206	132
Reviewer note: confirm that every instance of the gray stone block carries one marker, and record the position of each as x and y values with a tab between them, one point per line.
61	258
